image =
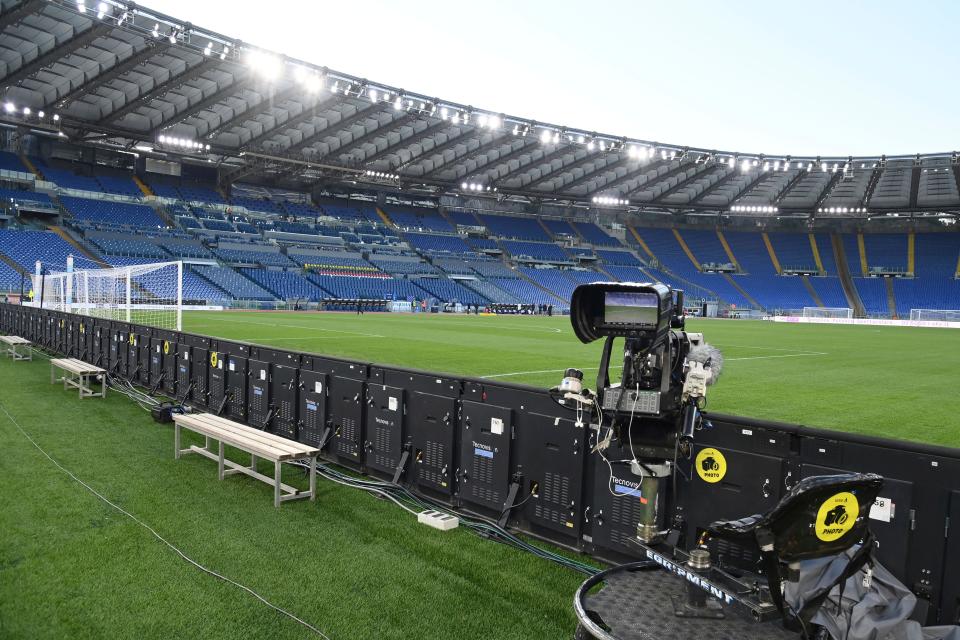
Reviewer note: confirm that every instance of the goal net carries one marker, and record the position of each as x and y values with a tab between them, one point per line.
946	315
150	294
827	312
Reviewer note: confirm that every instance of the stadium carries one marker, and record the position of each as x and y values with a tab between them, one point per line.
478	349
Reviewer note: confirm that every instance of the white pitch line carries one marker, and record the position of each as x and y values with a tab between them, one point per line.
298	326
533	326
787	355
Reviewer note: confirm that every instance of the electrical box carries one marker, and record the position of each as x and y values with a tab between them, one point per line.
237	385
199	375
283	398
184	372
313	407
216	381
551	455
258	394
345	408
486	434
384	433
432	425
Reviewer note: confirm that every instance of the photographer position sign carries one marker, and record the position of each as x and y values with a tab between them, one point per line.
836	516
711	465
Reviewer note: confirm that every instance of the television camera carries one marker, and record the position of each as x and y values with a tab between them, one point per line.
654	409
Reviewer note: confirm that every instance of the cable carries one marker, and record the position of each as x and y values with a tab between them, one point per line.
174	548
515	505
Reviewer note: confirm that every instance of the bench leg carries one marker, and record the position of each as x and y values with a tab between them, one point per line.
51	374
276	483
220	460
253	462
176	440
313	478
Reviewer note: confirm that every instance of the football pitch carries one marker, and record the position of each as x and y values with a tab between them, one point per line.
897	382
354	566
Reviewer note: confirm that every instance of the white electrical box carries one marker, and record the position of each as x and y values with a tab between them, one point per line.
437	520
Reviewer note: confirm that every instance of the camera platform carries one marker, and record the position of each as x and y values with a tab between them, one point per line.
640	601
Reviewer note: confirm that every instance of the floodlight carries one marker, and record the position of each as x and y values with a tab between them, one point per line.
26	111
590	146
40	114
56	117
545	137
9	107
102	9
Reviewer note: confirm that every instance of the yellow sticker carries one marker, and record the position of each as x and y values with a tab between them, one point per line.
166	348
213	359
82	330
837	515
711	465
132	339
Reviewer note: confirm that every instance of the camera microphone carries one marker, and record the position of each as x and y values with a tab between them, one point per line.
709	358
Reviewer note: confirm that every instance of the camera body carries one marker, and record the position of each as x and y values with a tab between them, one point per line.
648	318
653	410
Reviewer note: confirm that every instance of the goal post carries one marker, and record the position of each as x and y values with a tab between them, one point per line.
827	312
150	294
943	315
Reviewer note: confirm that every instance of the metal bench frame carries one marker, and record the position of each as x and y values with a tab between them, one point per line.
257	443
77	374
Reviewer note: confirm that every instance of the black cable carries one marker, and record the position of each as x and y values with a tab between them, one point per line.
515	505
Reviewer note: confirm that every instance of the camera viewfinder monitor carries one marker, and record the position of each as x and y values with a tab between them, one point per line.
631	308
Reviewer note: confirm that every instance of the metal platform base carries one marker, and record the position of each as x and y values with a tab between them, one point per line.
636	602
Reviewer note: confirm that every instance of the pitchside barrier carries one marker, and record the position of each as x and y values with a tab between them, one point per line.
482	446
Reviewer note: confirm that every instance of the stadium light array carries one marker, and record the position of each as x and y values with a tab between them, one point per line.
610	201
265	64
183	143
475	187
842	210
381	175
742	208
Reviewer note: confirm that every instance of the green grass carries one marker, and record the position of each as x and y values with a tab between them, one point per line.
355	566
898	382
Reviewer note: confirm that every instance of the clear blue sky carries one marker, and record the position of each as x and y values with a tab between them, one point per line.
841	77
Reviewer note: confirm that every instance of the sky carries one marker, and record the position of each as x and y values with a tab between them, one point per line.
844	77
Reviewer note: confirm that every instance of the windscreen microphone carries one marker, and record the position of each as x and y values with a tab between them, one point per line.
709	357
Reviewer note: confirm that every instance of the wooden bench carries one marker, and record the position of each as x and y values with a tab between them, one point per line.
258	444
77	373
12	343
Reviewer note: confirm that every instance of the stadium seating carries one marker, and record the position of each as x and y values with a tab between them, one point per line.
595	235
515	228
418	220
618	257
121	213
233	283
26	197
253	255
433	243
285	285
129	247
559	228
491	292
527	292
26	247
11	279
450	291
11	162
353	288
545	251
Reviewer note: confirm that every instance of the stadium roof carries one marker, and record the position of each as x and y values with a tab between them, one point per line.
123	76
